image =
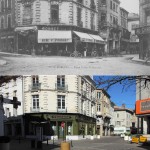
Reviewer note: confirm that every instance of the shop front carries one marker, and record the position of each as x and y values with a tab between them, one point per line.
73	124
60	41
143	114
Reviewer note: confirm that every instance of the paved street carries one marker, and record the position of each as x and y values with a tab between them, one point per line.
67	65
105	143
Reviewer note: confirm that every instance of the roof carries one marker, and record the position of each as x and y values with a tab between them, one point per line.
121	8
104	91
116	108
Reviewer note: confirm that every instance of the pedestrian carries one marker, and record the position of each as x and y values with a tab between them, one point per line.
147	56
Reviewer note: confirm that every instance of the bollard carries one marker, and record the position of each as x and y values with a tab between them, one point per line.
65	146
32	143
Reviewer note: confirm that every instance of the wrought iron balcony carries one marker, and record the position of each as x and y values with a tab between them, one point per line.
103	8
84	93
61	110
35	87
33	110
61	87
54	21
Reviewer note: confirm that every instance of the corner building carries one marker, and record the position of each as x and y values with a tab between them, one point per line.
57	27
143	31
69	99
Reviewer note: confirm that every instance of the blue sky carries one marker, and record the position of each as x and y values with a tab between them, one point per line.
120	96
132	6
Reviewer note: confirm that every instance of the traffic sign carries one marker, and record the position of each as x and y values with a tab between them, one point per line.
62	124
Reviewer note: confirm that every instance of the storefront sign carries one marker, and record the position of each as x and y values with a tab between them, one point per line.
143	106
60	117
86	40
142	30
54	40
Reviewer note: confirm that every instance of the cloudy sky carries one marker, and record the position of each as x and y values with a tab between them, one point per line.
130	5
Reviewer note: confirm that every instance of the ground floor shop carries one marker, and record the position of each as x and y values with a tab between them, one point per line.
53	40
51	124
7	41
143	114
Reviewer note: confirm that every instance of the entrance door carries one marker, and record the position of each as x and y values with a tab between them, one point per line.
60	130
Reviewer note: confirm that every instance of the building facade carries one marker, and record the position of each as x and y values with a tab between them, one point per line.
13	119
7	25
143	31
69	99
103	113
133	23
142	106
125	34
109	24
53	27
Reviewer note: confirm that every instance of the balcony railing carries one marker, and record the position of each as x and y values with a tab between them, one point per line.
83	93
60	110
33	110
54	21
35	87
61	87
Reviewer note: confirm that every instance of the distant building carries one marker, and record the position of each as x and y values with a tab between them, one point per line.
103	113
109	24
7	25
124	117
143	31
133	23
143	106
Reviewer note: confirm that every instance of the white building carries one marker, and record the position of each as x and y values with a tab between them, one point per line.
123	118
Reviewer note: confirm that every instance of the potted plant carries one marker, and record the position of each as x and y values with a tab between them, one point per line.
4	143
126	137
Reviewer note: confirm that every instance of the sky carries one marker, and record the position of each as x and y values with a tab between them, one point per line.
119	97
132	6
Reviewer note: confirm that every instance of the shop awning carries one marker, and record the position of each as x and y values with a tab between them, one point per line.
84	37
97	39
45	36
20	29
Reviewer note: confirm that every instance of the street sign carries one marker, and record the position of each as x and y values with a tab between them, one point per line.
62	124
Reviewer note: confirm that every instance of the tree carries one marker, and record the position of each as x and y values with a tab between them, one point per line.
125	81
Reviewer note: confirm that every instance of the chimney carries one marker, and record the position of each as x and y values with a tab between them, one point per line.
123	106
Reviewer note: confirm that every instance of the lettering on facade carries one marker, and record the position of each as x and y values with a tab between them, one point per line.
61	117
54	40
145	106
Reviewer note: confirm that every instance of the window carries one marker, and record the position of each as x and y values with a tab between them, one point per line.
35	101
61	81
103	17
2	5
111	5
61	102
103	3
9	21
35	80
111	19
15	93
5	3
80	1
55	13
7	95
9	4
114	6
118	123
2	22
79	22
98	95
117	115
98	107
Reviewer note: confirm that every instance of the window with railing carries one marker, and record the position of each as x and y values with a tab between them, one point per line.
35	102
61	102
35	80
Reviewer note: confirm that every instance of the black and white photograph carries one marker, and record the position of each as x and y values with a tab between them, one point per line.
75	74
74	36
